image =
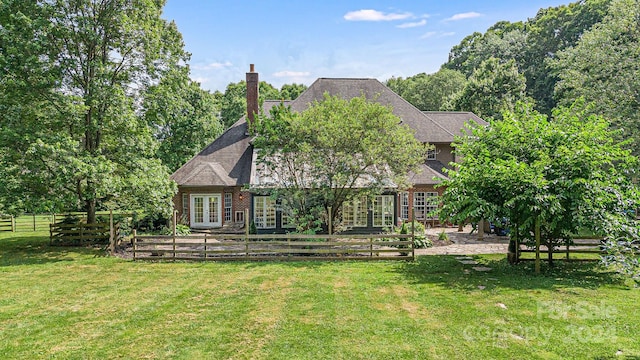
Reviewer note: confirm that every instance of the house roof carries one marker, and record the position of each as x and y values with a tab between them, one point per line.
431	173
426	129
454	121
229	160
225	162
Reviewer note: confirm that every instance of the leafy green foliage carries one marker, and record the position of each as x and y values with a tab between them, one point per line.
493	87
568	172
428	92
604	68
531	45
233	102
183	117
334	151
74	72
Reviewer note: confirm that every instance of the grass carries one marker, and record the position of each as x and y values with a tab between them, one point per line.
75	303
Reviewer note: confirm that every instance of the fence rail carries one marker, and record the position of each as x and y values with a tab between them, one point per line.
41	222
81	233
583	245
7	224
204	247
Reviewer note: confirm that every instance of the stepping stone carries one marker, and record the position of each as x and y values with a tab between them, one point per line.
468	262
501	305
481	287
481	268
463	258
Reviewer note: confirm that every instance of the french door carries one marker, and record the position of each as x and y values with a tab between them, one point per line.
205	210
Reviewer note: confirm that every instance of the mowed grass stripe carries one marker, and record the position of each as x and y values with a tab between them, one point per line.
75	303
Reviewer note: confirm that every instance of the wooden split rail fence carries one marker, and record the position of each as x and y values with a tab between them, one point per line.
81	233
214	247
8	224
582	245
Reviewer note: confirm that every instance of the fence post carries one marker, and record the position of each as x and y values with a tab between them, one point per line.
13	223
112	245
135	244
537	235
330	222
371	248
34	222
246	233
173	237
205	246
413	235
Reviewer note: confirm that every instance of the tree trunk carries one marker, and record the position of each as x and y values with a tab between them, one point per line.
91	211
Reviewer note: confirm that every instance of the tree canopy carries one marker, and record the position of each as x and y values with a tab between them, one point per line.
73	76
182	117
334	151
568	171
604	68
493	87
428	92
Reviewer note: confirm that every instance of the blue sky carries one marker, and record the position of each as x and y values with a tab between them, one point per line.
300	41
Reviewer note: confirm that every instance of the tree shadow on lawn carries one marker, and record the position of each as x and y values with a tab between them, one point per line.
448	271
35	249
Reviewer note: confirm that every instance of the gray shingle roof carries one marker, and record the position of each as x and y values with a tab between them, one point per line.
454	121
227	161
426	129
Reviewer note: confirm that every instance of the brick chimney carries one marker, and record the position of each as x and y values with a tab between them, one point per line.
252	94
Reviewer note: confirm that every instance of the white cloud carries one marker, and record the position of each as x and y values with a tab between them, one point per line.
213	66
444	34
422	22
292	74
201	80
375	15
428	35
462	16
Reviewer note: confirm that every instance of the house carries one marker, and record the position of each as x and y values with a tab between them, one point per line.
212	186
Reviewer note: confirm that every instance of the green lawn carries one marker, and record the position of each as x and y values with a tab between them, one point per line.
75	303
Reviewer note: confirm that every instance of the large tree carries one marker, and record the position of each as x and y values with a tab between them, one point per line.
334	151
73	75
604	68
493	87
552	30
183	117
568	172
428	92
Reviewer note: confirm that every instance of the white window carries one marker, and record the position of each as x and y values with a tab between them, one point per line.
431	154
424	203
286	215
354	212
228	202
383	211
205	210
185	205
264	212
404	205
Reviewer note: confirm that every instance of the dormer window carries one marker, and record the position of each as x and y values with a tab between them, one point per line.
431	154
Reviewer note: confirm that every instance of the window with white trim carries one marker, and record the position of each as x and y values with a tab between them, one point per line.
264	212
424	204
354	212
383	210
185	205
228	202
404	205
286	215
